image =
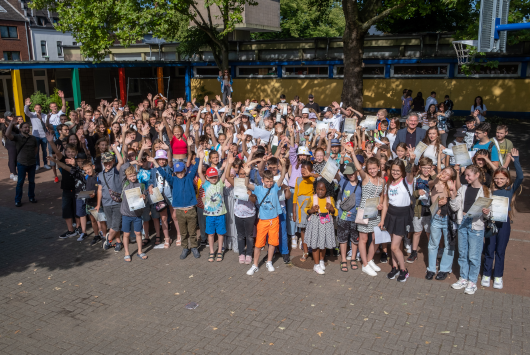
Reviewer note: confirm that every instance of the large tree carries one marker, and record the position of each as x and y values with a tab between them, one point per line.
99	24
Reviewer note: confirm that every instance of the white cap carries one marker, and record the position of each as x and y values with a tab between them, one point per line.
305	110
303	151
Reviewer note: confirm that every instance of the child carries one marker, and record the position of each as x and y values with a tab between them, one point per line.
470	132
131	217
268	214
481	134
91	184
504	146
157	180
459	140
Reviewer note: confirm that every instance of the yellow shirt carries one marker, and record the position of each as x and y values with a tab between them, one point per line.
304	188
322	205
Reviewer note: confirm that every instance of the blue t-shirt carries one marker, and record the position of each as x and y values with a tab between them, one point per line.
348	190
269	206
494	151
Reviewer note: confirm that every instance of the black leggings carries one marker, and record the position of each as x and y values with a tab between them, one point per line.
245	234
12	157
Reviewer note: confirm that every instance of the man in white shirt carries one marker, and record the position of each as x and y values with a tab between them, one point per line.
431	100
54	118
39	131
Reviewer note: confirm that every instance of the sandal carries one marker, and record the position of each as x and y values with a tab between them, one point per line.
141	256
211	257
145	242
157	240
178	242
219	257
167	245
127	258
304	257
353	265
344	266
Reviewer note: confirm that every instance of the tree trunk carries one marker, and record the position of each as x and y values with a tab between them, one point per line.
352	90
220	54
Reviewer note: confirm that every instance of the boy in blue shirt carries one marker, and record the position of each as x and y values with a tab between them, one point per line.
483	142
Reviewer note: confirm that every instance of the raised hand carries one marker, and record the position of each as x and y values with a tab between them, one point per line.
515	152
190	141
205	99
164	146
60	93
149	96
27	102
218	98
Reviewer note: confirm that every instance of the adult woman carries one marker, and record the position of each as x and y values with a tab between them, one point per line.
443	117
407	103
495	246
478	105
418	104
115	134
470	228
395	216
434	146
372	186
226	85
392	130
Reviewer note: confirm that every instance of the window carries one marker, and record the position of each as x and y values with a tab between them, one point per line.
41	21
206	72
180	72
11	55
308	71
257	72
63	79
503	69
369	71
74	43
59	48
420	70
43	48
40	80
134	87
8	32
102	84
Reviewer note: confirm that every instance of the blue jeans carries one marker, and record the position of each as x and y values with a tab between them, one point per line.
42	143
438	226
470	243
495	249
284	240
22	170
291	225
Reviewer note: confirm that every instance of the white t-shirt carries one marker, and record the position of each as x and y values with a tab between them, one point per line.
281	194
397	195
481	109
431	152
55	118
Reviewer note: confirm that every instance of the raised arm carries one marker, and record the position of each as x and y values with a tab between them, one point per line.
49	137
168	129
200	155
283	162
9	131
118	155
250	185
63	100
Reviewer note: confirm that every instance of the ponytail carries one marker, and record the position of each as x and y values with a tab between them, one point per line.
477	170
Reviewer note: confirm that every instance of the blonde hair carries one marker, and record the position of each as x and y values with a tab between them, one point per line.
383	111
130	170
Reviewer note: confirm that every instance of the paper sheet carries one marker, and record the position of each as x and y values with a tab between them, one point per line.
240	189
330	170
94	214
381	236
134	199
461	155
476	210
321	126
370	208
418	151
206	159
85	194
156	196
499	208
349	125
258	133
370	123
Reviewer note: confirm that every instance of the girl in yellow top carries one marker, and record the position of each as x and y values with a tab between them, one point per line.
302	190
320	230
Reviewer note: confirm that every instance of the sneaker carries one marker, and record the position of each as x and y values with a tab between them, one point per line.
68	234
348	256
96	240
253	269
429	275
37	167
471	288
82	237
185	253
485	281
441	275
196	253
373	266
11	176
47	167
56	180
118	247
369	271
460	284
392	274
203	244
322	265
403	275
336	252
318	270
248	260
384	258
408	246
106	243
293	243
358	256
497	283
241	259
412	257
286	259
15	178
269	266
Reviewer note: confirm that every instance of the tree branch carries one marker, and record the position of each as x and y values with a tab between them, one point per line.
366	26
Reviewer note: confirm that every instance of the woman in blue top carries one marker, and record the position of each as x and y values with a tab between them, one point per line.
495	246
226	85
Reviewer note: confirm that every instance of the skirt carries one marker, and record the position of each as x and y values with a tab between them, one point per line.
318	235
398	221
301	221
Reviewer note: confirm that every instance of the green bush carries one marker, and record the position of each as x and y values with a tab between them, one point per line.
44	101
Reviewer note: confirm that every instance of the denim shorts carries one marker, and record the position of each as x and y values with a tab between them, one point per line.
127	221
80	208
216	224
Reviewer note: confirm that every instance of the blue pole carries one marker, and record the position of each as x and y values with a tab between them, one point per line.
187	83
509	27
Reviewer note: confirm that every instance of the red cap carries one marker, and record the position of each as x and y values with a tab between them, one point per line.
212	172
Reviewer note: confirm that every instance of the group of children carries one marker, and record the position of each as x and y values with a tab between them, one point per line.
196	158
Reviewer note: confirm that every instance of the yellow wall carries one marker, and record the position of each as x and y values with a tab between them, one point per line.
509	95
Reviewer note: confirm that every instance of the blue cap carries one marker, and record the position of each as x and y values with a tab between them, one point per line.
179	166
360	158
335	142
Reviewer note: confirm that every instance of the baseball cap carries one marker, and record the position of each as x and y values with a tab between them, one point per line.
107	157
210	172
360	158
311	96
178	167
335	142
8	114
460	132
349	169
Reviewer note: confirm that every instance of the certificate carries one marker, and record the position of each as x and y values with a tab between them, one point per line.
370	123
349	125
330	170
418	151
434	207
156	196
274	141
370	208
134	199
461	154
278	117
85	194
499	208
321	126
94	214
448	152
381	236
240	189
476	210
206	159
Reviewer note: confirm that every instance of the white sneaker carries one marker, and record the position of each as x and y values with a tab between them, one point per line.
373	266
369	271
460	284
37	168
408	246
485	281
82	236
470	288
300	244
11	176
497	283
253	269
348	256
322	265
358	256
293	243
47	167
15	178
270	267
318	270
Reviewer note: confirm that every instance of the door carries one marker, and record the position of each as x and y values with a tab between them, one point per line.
6	94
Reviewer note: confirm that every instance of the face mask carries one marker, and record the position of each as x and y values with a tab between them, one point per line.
282	100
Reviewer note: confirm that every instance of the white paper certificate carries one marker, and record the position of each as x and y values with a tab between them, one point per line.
85	194
94	214
240	189
370	123
434	207
349	125
499	208
156	196
370	208
330	170
418	151
321	126
461	154
206	159
476	210
134	199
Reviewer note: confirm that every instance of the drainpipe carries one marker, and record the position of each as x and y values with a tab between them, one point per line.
437	40
327	49
421	46
27	40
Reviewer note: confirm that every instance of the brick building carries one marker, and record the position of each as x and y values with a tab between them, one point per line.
13	34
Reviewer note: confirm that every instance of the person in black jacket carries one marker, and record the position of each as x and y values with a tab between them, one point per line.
312	104
410	135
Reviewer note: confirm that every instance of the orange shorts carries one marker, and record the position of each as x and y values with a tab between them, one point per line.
270	227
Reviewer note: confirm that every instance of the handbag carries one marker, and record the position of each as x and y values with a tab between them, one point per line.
160	205
359	218
349	203
116	197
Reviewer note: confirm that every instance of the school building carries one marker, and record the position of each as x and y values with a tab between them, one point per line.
267	68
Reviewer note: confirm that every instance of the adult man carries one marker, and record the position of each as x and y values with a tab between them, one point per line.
411	135
39	131
27	147
312	104
430	101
